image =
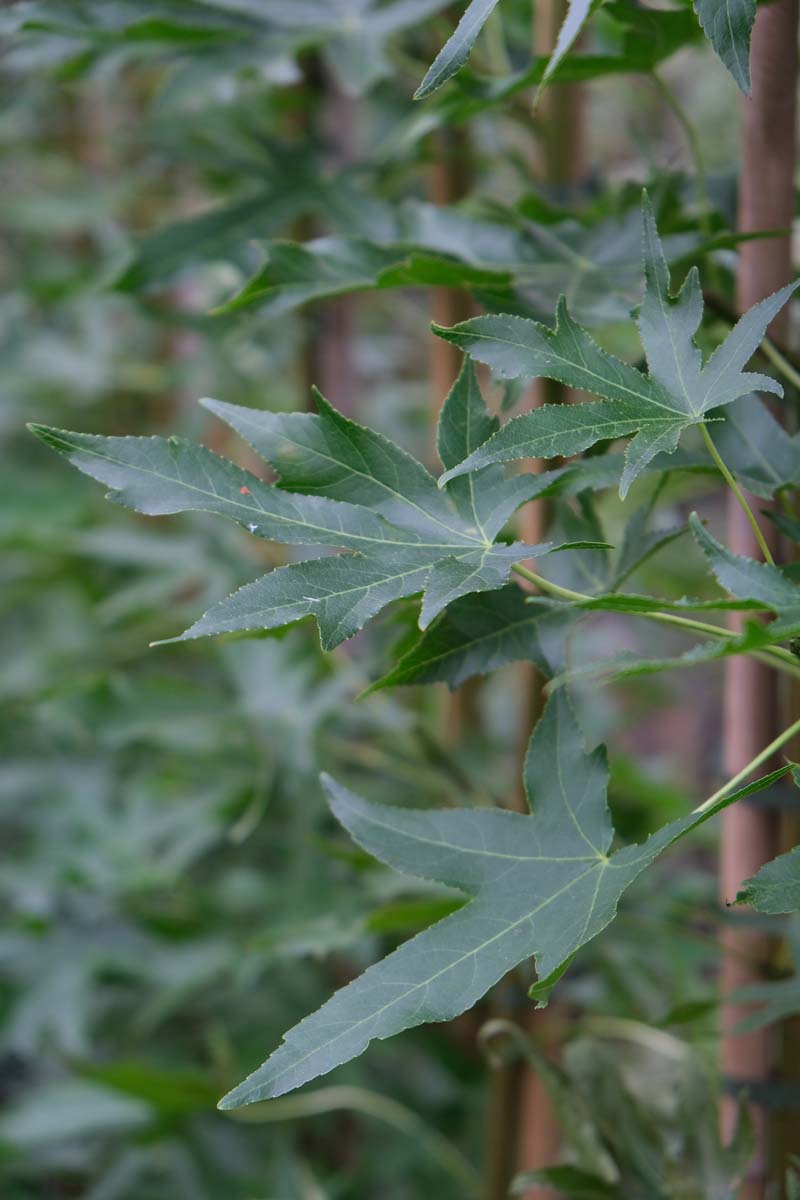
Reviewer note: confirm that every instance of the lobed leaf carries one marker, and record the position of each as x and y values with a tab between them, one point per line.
479	634
750	580
340	486
678	390
762	455
540	885
776	887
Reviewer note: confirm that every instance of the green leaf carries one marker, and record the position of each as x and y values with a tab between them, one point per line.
328	454
478	634
576	16
757	449
776	887
168	475
626	665
213	234
507	260
293	274
456	49
479	571
568	1181
728	25
677	392
750	580
342	593
404	535
540	885
485	499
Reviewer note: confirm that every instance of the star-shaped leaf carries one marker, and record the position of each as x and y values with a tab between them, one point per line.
540	885
341	486
677	391
747	579
479	634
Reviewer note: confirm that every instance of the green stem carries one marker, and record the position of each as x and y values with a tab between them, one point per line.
774	656
738	493
778	360
754	763
693	143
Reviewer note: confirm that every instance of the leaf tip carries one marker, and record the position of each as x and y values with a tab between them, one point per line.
229	1101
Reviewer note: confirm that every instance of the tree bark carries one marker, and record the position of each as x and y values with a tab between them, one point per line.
750	834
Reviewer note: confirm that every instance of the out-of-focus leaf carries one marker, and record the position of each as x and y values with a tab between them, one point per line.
508	261
567	1181
61	1111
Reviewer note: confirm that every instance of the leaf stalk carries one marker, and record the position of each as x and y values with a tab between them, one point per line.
775	656
738	493
751	766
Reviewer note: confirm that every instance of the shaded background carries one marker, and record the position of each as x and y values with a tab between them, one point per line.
175	894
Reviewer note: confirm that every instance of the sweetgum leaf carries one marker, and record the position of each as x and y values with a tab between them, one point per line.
510	262
728	25
157	476
776	887
341	486
750	580
577	14
764	458
456	49
478	634
677	391
540	885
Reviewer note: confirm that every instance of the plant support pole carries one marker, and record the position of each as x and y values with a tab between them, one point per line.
559	119
752	718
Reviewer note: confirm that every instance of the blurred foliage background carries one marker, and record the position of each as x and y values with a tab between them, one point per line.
175	893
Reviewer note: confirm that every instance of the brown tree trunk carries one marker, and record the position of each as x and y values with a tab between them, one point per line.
750	834
337	319
560	134
328	358
449	181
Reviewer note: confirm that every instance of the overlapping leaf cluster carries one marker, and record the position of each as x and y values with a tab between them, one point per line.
540	885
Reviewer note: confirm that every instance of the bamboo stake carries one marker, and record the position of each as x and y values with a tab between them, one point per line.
560	113
752	716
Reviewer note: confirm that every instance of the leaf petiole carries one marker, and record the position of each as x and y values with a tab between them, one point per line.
738	493
780	362
754	763
774	656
